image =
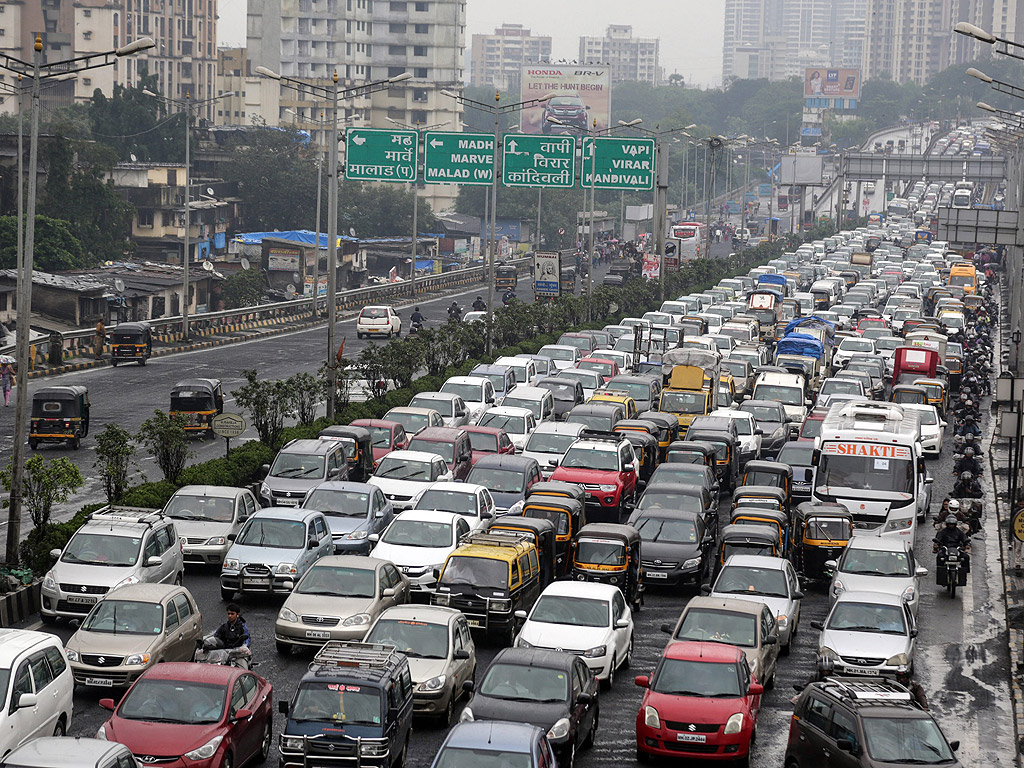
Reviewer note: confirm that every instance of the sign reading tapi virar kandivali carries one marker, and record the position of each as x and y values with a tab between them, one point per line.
458	158
618	163
373	154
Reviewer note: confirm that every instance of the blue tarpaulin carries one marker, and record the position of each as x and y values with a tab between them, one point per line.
296	235
424	263
771	280
811	321
800	344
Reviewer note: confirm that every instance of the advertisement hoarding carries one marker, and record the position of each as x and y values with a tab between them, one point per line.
802	169
651	266
545	273
283	259
582	94
820	82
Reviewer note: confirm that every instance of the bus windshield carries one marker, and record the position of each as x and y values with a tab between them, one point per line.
866	473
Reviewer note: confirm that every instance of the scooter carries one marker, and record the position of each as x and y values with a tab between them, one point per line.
240	657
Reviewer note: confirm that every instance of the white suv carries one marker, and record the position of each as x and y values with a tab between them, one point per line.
117	546
378	321
37	687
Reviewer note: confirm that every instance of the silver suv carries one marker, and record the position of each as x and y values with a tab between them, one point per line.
298	468
115	547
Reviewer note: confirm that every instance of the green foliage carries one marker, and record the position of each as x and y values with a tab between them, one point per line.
165	437
150	495
56	246
115	455
132	123
35	549
269	403
242	289
307	391
44	484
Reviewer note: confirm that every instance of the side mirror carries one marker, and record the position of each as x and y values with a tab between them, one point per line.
818	625
667	628
468	686
830	565
643	681
928	480
312	544
919	571
798	595
758	431
705	589
437	574
914	632
622	624
521	615
242	714
265	468
771	640
844	745
374	537
815	459
954	746
27	700
755	689
282	707
388	592
106	704
153	562
489	401
628	467
584	698
552	462
461	654
54	553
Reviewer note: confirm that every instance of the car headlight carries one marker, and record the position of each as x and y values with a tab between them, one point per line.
217	541
49	582
899	660
230	564
370	749
908	594
516	508
734	724
206	751
827	653
286	568
466	716
433	684
596	652
72	655
265	490
521	643
442	599
358	535
101	733
137	658
838	588
693	562
502	606
898	524
651	719
126	581
291	743
287	614
560	729
359	620
783	620
607	488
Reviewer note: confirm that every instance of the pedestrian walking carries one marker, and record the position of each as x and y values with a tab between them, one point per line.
7	381
100	339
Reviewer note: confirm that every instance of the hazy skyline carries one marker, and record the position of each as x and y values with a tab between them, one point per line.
691	31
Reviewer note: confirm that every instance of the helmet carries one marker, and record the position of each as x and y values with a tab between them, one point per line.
951	520
417	309
966	476
969	452
969	437
954	505
455	303
970	403
479	299
970	417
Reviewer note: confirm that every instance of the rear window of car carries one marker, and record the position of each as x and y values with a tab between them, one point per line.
373	313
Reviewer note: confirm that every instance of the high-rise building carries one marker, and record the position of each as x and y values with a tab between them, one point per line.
631	59
911	40
807	31
184	59
496	60
754	46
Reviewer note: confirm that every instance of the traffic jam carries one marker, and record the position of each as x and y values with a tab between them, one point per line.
609	543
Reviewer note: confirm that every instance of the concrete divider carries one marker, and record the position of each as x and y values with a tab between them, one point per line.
18	605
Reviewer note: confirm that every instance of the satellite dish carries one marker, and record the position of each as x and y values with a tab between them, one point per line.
133	157
289	290
352	231
119	285
208	266
209	190
245	264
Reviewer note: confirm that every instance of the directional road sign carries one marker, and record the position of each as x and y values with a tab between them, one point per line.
458	158
372	154
622	163
538	161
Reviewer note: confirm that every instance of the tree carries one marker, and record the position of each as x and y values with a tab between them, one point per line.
165	437
56	246
115	456
132	123
677	80
243	289
269	403
308	391
45	483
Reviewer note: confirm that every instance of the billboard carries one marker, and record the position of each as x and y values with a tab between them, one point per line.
820	82
546	271
582	94
802	169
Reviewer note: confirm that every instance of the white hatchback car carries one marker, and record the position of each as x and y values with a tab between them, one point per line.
418	542
38	687
933	428
378	321
585	618
769	580
402	475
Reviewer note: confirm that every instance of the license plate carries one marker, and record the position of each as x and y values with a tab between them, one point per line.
257	582
865	672
186	550
318	634
474	622
84	599
100	681
288	502
698	738
655	575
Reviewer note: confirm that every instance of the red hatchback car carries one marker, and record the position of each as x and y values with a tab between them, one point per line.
185	715
701	702
487	441
386	436
607	368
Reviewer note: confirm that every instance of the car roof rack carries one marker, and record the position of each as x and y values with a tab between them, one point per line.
597	435
496	540
129	515
612	392
867	691
349	653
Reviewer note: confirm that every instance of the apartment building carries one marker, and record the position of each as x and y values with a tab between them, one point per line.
496	60
911	40
631	59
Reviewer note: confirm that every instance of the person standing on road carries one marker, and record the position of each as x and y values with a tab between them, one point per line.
100	339
7	380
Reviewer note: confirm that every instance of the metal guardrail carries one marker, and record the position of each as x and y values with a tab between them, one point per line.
208	323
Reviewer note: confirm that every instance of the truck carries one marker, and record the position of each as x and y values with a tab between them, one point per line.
691	379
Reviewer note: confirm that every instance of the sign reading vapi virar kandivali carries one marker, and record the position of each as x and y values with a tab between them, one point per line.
458	158
621	163
548	162
373	154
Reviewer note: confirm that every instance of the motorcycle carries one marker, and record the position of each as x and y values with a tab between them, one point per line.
415	328
240	657
951	569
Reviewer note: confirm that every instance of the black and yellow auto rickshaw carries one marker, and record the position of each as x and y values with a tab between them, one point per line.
747	514
59	415
645	446
358	449
774	473
197	401
668	428
764	496
131	343
820	533
559	489
542	533
691	452
567	515
505	276
747	540
610	553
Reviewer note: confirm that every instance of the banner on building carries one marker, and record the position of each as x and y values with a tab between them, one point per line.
283	259
321	285
651	266
582	95
820	82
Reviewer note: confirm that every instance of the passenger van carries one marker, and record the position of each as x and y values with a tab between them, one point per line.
538	400
964	275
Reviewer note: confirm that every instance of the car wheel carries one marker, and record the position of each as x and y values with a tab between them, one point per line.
627	662
611	674
227	762
75	443
177	579
33	444
449	711
403	756
226	594
285	649
59	729
787	647
266	741
770	682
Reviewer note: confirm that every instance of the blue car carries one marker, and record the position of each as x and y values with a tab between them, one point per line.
495	742
354	511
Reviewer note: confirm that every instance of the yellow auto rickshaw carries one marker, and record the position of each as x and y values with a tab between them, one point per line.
197	401
567	515
131	343
59	415
610	553
820	533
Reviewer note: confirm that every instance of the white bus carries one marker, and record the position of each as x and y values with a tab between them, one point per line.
871	461
688	239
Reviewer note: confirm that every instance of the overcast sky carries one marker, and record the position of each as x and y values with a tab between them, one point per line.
690	30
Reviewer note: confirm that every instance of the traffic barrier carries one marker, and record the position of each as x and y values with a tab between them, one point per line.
18	605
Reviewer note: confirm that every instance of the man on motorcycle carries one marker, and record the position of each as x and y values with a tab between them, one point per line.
508	297
952	536
479	305
233	633
417	317
454	312
967	463
967	487
970	426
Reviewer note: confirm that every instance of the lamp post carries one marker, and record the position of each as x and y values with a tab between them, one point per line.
497	109
981	35
332	95
38	72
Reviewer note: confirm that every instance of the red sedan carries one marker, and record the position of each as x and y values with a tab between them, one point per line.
607	368
486	441
386	436
184	715
700	702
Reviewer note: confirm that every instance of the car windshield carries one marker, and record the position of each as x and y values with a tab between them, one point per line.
874	562
796	455
683	402
769	413
888	475
497	480
338	581
463	757
867	617
580	342
403	468
174	701
273	532
462	502
445	450
128	617
546	442
737	579
666	530
297	465
843	386
514	424
683	468
605	369
558	353
636	390
479	572
325	702
601	552
785	395
684	502
419	533
557	517
212	509
413	422
484	442
911	740
445	406
416	639
719	627
471	393
682	677
519	682
380	437
563	392
742	425
572	611
102	549
337	503
374	313
533	406
598	422
583	457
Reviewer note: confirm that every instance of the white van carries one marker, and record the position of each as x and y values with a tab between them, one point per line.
540	402
524	368
38	690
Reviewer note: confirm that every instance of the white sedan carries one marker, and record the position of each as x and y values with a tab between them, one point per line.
402	475
473	502
932	427
378	321
768	580
585	618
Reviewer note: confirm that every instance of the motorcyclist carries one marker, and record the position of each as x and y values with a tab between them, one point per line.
417	317
968	463
508	296
454	311
969	426
967	487
479	305
233	633
952	536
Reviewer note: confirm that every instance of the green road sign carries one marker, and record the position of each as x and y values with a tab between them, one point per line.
372	154
538	161
622	163
458	158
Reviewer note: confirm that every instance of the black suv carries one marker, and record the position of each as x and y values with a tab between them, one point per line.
555	691
856	723
353	708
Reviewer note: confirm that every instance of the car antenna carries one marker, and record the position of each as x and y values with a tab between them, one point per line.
115	618
490	732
